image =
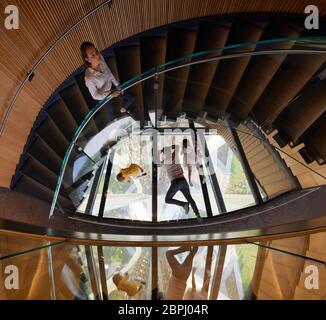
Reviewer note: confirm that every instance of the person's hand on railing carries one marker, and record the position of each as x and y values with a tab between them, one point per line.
117	85
115	94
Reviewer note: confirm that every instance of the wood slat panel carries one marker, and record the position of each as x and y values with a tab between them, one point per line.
128	64
152	54
200	76
247	95
181	42
304	111
229	72
296	72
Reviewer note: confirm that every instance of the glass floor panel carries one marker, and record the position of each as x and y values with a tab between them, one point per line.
284	269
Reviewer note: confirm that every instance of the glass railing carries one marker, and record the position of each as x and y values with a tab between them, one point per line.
284	269
223	180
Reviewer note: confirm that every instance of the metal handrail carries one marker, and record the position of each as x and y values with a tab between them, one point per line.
30	74
154	72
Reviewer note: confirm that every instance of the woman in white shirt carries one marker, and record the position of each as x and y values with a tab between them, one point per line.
192	159
98	76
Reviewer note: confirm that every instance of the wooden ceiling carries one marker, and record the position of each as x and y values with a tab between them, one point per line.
43	21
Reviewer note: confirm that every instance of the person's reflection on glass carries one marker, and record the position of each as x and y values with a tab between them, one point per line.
180	272
128	284
194	294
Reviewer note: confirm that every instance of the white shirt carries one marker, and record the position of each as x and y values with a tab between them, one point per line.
190	158
172	163
99	83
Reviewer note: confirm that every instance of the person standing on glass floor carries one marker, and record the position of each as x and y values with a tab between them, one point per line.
171	162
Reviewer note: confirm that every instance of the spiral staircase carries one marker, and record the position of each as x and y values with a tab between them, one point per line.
287	104
269	108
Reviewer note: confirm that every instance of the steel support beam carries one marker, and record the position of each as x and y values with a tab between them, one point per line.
154	273
154	175
217	277
106	182
95	186
201	178
101	263
212	175
92	272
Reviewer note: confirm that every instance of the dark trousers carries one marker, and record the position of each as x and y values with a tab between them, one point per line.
180	184
127	98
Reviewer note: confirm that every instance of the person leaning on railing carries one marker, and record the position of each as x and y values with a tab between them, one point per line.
98	77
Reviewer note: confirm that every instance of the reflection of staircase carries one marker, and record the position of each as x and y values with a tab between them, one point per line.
215	87
281	271
316	250
283	275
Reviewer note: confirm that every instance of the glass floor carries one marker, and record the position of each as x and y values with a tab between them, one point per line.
224	177
283	269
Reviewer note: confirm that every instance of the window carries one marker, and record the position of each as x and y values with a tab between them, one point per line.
232	180
131	200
